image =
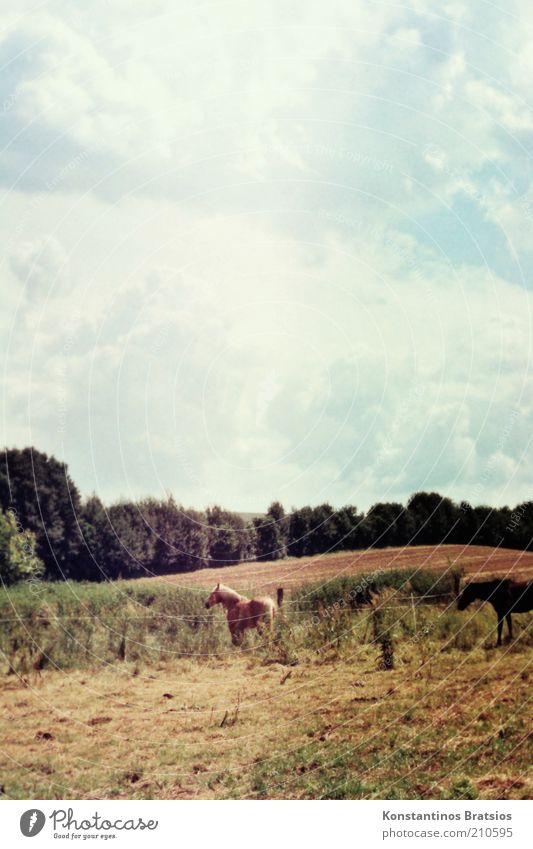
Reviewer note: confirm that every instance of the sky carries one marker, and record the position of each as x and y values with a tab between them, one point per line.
269	250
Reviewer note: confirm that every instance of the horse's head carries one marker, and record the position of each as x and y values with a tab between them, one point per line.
467	597
214	598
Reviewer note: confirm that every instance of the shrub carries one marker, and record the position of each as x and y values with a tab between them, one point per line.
350	591
18	560
437	587
466	630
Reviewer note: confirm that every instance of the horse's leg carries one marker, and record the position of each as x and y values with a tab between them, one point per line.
241	626
509	625
269	625
261	625
500	627
234	631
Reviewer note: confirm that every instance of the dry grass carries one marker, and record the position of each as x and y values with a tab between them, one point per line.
443	726
307	716
293	572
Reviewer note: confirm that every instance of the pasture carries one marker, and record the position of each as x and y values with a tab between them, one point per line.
134	690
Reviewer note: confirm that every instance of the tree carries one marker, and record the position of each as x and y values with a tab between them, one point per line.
518	527
131	541
491	525
323	533
467	528
388	524
299	526
272	533
349	528
97	542
45	501
316	530
231	540
434	518
18	560
181	537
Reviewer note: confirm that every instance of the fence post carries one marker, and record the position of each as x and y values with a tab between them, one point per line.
382	635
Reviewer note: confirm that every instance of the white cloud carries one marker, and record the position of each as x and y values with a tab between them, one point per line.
505	109
238	238
239	371
41	265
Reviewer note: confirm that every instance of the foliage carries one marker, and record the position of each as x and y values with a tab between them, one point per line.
18	560
387	524
271	534
433	516
350	590
47	502
321	529
89	541
437	587
231	540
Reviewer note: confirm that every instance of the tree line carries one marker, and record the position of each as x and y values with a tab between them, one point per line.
48	530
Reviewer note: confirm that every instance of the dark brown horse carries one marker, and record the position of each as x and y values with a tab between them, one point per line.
505	595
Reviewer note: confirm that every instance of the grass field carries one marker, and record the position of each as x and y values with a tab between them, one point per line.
134	690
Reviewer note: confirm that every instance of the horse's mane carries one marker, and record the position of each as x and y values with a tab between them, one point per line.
222	588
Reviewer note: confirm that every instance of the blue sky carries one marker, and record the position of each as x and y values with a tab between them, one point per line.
258	251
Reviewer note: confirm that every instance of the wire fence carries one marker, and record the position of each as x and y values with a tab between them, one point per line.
53	615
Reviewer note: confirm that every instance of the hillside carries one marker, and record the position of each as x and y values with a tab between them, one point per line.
293	572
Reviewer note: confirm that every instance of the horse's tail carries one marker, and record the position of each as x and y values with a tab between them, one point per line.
280	596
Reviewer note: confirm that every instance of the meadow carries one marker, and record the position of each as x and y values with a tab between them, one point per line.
372	685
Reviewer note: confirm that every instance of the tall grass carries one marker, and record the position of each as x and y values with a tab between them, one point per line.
81	624
414	610
355	590
66	625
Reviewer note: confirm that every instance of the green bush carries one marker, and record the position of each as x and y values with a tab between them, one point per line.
349	591
352	591
18	560
437	587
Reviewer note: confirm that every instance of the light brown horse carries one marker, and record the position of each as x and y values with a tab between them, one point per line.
242	612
